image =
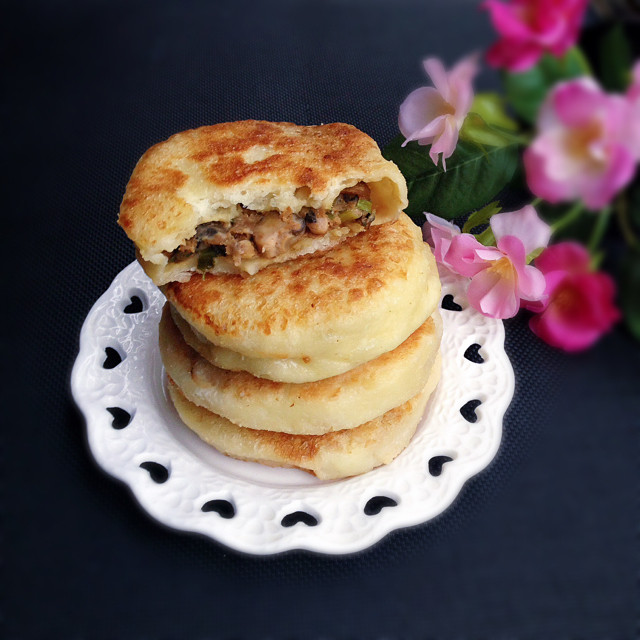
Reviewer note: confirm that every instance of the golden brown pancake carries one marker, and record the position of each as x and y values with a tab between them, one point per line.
339	454
341	402
245	191
321	314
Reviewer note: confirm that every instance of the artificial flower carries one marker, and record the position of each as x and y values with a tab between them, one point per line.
583	149
633	98
528	28
633	93
439	233
578	306
500	275
434	115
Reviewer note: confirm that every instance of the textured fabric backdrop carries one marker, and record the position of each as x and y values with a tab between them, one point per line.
542	544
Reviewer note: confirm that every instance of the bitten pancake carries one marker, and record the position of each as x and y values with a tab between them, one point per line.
323	313
331	456
340	402
238	196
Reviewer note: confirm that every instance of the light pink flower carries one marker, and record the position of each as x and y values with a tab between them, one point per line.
633	93
500	276
434	115
438	232
583	149
633	98
531	27
578	304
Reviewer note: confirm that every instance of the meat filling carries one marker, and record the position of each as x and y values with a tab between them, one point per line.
269	235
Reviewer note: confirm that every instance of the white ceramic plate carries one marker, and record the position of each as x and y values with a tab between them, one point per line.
136	436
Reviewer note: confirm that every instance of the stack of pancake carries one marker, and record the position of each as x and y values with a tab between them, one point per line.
315	345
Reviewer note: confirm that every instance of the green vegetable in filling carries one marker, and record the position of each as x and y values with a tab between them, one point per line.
207	257
364	205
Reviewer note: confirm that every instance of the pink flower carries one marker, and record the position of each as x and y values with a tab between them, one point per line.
500	276
584	149
531	27
633	98
434	115
439	233
578	304
633	93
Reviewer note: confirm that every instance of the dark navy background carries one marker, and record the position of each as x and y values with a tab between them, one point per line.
542	544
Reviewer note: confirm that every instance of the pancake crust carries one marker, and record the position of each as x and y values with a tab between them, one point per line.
204	174
331	456
345	306
340	402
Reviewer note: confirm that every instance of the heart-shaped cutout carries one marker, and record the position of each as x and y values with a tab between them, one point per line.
222	507
158	472
473	353
377	504
449	304
113	358
436	463
299	516
468	410
121	418
135	306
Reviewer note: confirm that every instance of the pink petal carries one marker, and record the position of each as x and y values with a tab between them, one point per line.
418	112
438	232
436	71
581	309
462	255
552	281
461	84
633	92
539	179
445	143
513	55
578	102
599	190
507	21
429	132
549	327
530	283
571	257
524	224
493	294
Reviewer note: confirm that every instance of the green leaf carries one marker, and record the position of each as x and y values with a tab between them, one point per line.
476	130
481	216
486	237
527	90
534	254
629	291
615	59
491	107
473	177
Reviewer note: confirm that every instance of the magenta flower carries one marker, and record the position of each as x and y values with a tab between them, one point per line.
578	304
531	27
500	276
583	149
434	115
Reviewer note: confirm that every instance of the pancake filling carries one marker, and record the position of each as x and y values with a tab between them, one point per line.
253	234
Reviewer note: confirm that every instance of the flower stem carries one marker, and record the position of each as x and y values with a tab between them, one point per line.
623	220
568	217
536	202
599	228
